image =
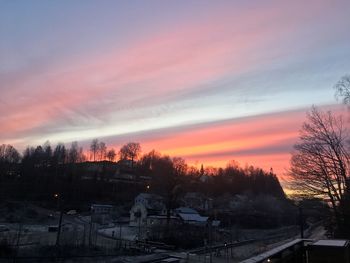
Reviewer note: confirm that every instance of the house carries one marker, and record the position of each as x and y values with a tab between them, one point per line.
197	201
124	166
126	173
123	177
146	205
162	220
102	209
101	170
191	216
103	214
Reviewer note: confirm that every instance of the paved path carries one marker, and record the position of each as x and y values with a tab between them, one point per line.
318	233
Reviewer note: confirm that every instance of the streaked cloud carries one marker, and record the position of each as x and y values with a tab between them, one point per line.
206	81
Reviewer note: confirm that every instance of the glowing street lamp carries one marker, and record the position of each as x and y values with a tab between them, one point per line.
57	197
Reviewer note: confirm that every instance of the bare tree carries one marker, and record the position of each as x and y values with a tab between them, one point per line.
180	167
130	151
9	154
59	154
320	163
47	153
111	155
342	89
94	146
102	149
73	153
81	155
9	158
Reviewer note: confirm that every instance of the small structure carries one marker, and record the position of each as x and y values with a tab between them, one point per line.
123	177
125	173
102	170
102	213
329	251
146	205
191	216
162	220
197	201
292	251
306	250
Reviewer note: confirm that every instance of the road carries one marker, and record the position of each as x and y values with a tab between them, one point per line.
318	233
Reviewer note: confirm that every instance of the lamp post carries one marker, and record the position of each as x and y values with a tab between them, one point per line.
57	197
59	208
300	218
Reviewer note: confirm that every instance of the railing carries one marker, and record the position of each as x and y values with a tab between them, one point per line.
290	251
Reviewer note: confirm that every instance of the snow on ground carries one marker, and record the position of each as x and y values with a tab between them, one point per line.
127	232
319	233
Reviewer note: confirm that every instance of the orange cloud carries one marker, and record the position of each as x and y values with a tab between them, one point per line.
265	141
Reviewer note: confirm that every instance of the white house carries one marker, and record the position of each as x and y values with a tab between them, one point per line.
146	205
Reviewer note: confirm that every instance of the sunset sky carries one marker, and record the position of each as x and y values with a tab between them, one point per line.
210	81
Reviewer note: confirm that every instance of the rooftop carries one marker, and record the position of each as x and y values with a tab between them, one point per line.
186	210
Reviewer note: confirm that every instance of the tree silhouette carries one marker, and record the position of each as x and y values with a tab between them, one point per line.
111	155
320	163
130	151
102	149
342	89
94	147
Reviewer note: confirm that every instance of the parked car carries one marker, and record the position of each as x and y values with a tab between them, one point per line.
72	212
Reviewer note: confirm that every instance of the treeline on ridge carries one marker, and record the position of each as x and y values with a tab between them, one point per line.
85	176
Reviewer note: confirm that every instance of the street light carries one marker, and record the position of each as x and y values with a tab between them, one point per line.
57	197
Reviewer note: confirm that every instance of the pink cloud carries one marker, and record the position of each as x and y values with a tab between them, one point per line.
147	71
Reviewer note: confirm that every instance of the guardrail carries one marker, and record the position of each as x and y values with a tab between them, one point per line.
291	247
205	249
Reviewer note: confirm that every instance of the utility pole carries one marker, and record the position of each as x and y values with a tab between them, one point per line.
210	221
59	207
57	197
301	223
120	235
17	242
90	231
59	228
84	234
